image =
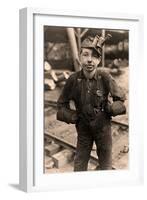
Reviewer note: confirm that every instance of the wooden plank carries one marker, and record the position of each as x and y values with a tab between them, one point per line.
52	149
62	158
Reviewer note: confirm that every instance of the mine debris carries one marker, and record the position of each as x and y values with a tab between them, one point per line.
52	78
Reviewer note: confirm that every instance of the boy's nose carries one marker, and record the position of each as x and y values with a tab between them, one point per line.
89	59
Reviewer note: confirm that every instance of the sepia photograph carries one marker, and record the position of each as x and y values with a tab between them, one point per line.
80	105
86	95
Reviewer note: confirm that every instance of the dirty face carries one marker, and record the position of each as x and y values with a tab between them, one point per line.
89	59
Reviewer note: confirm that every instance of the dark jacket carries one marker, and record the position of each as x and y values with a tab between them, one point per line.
90	96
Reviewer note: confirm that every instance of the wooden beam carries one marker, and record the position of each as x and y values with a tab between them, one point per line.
84	32
73	45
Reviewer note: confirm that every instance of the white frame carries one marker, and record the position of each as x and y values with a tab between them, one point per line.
30	77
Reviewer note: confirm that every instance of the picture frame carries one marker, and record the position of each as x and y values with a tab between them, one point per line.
32	177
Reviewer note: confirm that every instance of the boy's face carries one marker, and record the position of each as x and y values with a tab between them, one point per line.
89	59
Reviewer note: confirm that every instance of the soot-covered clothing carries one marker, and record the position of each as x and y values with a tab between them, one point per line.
92	115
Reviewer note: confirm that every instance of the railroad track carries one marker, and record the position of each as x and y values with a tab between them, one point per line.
124	125
66	145
64	137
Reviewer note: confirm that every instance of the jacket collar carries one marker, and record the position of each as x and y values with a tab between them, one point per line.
82	76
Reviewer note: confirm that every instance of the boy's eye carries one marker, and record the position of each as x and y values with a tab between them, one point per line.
85	54
95	55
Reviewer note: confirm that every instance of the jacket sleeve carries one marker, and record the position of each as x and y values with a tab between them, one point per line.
65	113
66	93
116	91
118	96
